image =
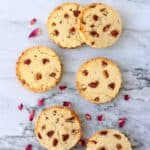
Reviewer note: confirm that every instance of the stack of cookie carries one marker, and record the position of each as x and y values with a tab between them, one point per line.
70	25
98	80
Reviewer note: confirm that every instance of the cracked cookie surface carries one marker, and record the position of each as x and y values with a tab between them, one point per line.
58	128
62	25
108	139
99	80
39	69
99	25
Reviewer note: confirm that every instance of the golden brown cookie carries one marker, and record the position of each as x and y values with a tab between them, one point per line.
58	128
99	80
39	69
99	25
62	25
108	139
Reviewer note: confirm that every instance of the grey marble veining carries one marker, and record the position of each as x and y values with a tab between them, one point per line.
132	53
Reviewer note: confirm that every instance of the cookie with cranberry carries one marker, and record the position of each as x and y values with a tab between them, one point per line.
108	139
58	128
62	25
39	69
99	25
99	80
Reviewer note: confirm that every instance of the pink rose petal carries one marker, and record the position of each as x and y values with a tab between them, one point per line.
62	87
41	102
88	116
126	97
20	107
31	115
83	142
33	21
35	33
100	117
28	147
121	121
67	104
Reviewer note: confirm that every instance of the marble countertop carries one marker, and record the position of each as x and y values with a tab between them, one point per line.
132	53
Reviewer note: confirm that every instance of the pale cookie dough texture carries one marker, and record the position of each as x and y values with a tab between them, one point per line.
108	139
58	128
99	25
62	25
99	80
39	69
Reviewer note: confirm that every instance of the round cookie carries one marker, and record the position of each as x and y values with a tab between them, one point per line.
62	25
39	69
108	139
99	80
99	25
58	128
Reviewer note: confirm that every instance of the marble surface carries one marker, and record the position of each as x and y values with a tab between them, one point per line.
132	53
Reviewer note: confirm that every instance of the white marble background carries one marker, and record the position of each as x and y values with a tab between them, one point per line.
132	53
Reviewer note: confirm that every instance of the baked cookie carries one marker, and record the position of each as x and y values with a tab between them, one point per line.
39	69
62	25
58	128
108	139
99	80
99	25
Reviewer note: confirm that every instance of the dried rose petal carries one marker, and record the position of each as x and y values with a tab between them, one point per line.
62	87
20	107
35	33
28	147
41	102
121	122
100	117
88	116
82	142
31	115
67	104
33	21
126	97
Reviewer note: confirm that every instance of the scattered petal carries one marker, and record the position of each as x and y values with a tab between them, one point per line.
126	97
88	116
33	21
121	122
20	107
83	142
100	117
35	33
41	102
28	147
67	104
62	87
31	115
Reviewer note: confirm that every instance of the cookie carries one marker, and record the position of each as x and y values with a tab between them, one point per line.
58	128
99	25
39	69
62	25
99	80
108	139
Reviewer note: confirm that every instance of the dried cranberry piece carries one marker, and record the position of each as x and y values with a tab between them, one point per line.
76	13
94	34
50	133
56	32
27	61
39	135
117	136
95	17
82	142
62	87
66	15
65	137
122	121
53	74
85	72
111	85
114	33
20	107
119	146
38	76
33	21
104	132
35	33
31	115
126	97
41	102
28	147
106	28
45	60
100	117
88	116
72	30
55	142
93	84
67	104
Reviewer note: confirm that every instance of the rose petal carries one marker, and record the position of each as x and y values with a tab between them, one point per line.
67	104
20	107
82	142
62	87
100	117
126	97
35	33
28	147
41	102
88	116
31	115
121	122
33	21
